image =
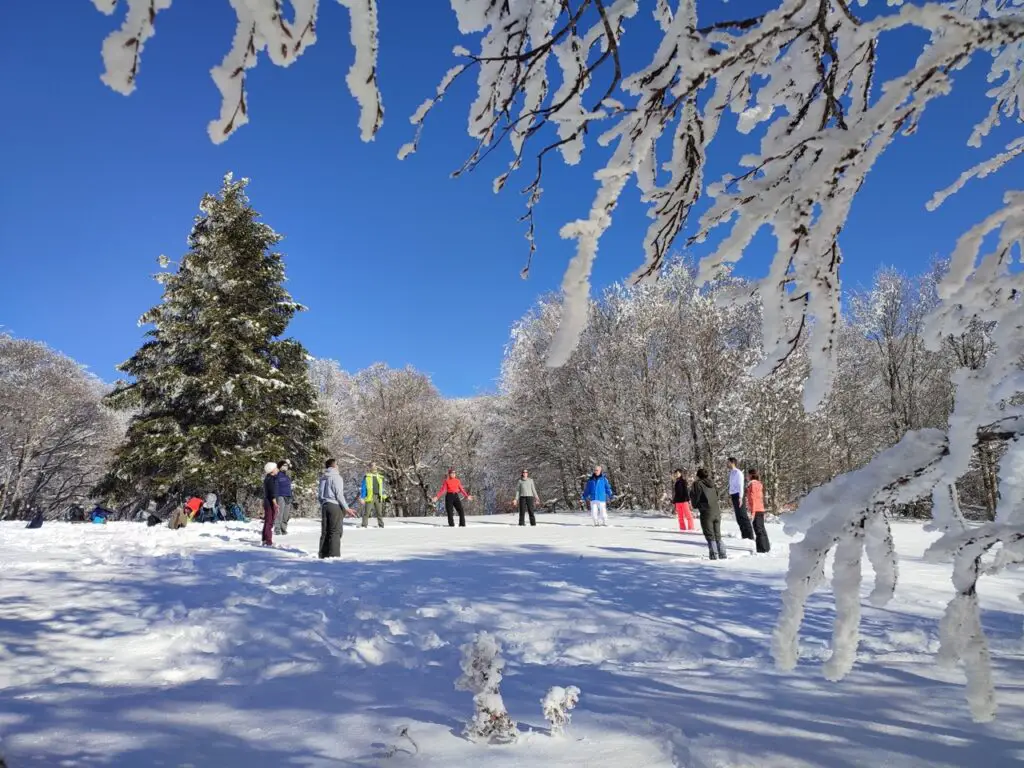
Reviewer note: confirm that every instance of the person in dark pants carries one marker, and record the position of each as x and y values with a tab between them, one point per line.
330	492
284	498
704	497
526	496
451	489
736	489
269	502
373	496
755	503
681	500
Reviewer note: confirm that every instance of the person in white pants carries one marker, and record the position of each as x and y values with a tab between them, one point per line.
598	492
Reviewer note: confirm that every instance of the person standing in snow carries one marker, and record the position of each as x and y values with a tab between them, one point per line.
330	492
373	496
704	497
598	492
451	489
681	501
284	498
736	489
755	503
526	497
269	502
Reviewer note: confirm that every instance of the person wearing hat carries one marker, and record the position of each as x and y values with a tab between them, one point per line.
269	502
284	498
451	489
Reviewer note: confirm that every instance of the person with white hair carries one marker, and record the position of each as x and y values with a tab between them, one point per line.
269	502
598	492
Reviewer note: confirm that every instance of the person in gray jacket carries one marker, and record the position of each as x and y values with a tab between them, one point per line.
330	492
704	497
526	497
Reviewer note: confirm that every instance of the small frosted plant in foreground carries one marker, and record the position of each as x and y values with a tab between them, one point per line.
481	676
557	705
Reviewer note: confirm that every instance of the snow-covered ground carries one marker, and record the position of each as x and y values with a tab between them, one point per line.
122	645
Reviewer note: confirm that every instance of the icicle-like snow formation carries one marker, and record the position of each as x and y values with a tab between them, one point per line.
262	25
122	50
362	76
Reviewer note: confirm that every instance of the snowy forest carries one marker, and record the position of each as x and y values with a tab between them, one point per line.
661	380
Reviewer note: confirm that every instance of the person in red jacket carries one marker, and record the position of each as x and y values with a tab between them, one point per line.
451	488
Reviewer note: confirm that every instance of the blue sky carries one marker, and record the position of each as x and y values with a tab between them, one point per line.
396	261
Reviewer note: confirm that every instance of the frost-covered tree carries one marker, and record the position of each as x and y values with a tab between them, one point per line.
557	706
55	434
482	667
658	381
397	418
911	381
216	389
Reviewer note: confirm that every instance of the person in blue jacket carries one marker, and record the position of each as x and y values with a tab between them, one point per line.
598	493
284	498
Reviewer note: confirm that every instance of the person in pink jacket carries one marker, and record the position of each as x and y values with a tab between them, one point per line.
755	503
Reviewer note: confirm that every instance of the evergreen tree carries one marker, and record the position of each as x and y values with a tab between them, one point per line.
216	392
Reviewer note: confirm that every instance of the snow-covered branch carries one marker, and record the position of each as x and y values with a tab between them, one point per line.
987	408
801	74
261	26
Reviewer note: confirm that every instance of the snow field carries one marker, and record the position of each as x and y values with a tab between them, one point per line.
122	645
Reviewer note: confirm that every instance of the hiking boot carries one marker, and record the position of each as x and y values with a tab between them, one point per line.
721	551
712	554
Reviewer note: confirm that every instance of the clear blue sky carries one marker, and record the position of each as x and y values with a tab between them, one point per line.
396	261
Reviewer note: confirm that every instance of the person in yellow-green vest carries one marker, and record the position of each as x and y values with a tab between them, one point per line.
373	496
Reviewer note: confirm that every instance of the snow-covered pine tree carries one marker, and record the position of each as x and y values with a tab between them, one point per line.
216	390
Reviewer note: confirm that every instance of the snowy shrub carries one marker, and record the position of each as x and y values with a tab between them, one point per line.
557	705
481	676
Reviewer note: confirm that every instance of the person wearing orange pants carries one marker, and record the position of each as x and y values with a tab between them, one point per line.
681	501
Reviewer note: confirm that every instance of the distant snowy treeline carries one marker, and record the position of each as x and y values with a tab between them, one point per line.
662	379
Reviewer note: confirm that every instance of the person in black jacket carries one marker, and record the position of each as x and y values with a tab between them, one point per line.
269	502
705	498
681	501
